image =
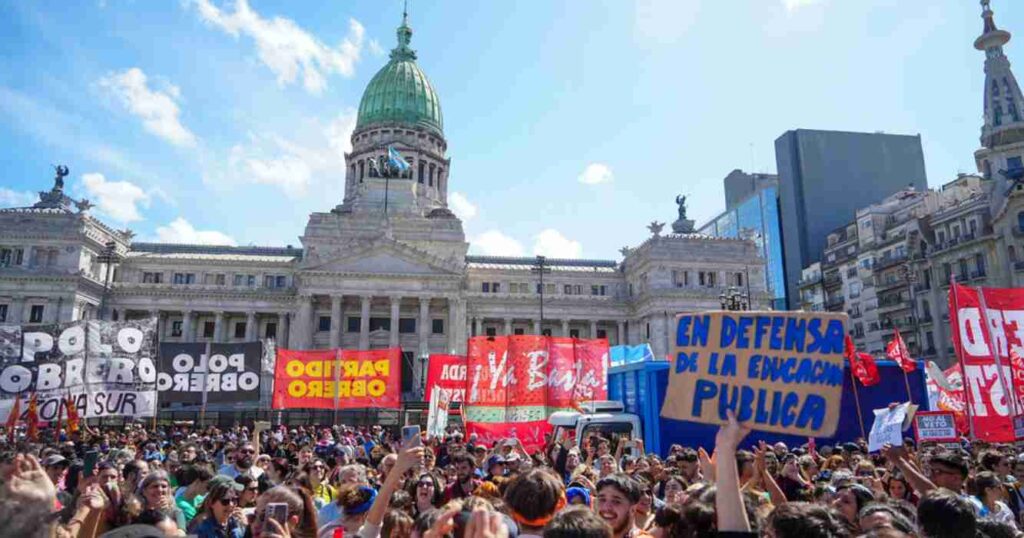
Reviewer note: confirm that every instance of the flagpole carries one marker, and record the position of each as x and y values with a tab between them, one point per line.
337	381
900	346
959	356
856	400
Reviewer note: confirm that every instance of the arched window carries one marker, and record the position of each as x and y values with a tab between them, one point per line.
362	170
430	180
1020	221
1012	253
995	87
419	176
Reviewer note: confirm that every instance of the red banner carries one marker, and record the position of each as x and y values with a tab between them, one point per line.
338	379
515	382
447	372
988	377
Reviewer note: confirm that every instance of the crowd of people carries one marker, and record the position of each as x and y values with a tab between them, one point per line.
330	482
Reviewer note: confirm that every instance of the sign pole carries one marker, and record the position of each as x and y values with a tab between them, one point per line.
337	380
856	401
206	373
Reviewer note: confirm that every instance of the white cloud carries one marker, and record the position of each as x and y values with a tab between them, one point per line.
375	48
285	48
793	5
596	173
291	165
181	231
553	244
118	199
158	110
461	206
13	198
495	243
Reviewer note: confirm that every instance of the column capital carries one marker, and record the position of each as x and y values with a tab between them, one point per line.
337	299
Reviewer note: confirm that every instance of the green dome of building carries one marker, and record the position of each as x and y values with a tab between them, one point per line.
400	92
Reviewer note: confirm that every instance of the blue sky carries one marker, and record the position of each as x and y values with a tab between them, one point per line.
571	124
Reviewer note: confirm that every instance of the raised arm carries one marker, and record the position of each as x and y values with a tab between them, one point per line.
730	511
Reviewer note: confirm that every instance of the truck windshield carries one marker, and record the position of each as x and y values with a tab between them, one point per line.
612	431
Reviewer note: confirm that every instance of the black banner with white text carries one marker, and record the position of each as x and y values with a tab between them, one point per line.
231	372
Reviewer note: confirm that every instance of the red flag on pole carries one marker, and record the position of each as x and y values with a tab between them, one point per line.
32	418
897	351
861	364
12	418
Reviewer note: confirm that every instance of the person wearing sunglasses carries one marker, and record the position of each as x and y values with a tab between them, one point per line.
321	490
223	518
244	462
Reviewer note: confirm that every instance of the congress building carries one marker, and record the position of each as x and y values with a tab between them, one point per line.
387	266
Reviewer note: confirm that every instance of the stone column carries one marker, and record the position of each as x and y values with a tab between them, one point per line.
337	321
14	311
536	327
669	334
565	327
621	335
457	324
396	304
218	326
593	328
251	327
423	324
364	322
283	330
300	336
508	326
186	326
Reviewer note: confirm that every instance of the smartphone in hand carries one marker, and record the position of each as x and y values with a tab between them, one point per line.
278	512
411	436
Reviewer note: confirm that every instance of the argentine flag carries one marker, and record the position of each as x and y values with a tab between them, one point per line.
395	159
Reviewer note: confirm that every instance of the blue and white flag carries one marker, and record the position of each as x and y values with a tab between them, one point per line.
395	159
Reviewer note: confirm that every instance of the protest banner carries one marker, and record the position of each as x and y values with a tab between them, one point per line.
337	379
448	372
515	382
778	371
985	351
935	427
231	372
889	425
108	368
437	413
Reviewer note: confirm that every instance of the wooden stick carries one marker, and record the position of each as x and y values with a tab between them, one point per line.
856	400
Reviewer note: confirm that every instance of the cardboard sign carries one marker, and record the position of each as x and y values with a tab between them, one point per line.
935	426
437	415
889	425
337	379
778	371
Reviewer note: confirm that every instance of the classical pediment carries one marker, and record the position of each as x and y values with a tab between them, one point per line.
383	256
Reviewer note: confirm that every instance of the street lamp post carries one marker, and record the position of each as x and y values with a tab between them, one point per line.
108	256
732	299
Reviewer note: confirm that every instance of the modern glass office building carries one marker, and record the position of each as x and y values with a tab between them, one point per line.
757	218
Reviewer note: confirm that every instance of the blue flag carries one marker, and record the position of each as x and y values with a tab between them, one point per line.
395	159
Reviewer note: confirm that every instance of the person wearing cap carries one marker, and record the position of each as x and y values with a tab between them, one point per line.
495	467
56	467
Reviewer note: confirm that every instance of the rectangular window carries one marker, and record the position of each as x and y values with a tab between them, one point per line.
601	333
711	280
979	263
352	325
179	278
282	281
270	331
595	290
6	257
973	225
963	267
545	332
240	328
176	328
495	287
324	324
956	231
268	281
250	281
940	237
208	327
574	333
380	324
491	331
3	312
518	332
149	278
486	287
221	279
239	280
407	326
702	278
437	326
36	314
568	289
947	272
739	279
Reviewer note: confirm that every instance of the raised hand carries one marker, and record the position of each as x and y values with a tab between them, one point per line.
28	481
731	434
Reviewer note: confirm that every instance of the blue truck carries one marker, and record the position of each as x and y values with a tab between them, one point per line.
636	393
